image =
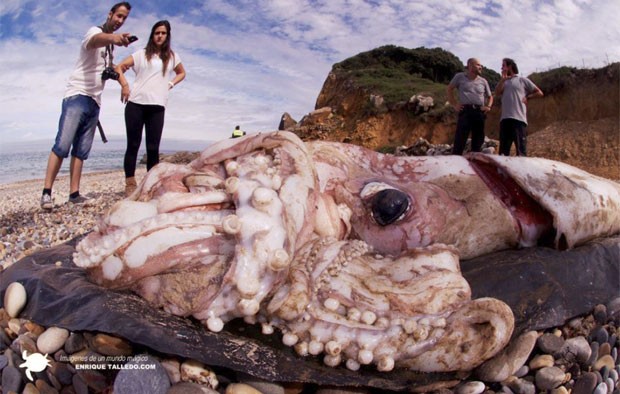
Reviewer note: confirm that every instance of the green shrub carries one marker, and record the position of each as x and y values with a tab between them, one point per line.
397	73
434	64
386	149
554	80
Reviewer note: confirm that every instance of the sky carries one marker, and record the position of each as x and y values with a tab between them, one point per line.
249	62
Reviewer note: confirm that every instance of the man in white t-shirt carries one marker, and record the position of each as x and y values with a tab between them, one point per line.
81	102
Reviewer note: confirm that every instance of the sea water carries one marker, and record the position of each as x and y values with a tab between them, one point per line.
20	161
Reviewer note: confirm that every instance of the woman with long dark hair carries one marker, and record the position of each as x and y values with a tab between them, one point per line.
146	101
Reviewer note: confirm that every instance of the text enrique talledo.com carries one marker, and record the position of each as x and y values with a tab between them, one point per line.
98	362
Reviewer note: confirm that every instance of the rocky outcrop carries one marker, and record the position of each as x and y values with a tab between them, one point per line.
345	112
286	122
579	115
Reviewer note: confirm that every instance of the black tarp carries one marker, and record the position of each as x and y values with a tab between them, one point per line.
544	287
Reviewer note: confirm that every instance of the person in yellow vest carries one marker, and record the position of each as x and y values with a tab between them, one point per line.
237	132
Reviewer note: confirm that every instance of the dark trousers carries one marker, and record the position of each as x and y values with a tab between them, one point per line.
512	131
469	119
151	118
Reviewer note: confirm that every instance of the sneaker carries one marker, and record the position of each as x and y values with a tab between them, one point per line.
80	200
46	202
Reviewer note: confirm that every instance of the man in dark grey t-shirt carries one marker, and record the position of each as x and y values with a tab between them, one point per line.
474	101
515	91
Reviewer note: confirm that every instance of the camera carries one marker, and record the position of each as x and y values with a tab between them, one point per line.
109	73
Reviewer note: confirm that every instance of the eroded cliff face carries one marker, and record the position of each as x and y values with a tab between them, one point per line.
582	109
357	118
584	96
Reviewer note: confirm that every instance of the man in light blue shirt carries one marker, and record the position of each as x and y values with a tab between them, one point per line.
474	101
515	92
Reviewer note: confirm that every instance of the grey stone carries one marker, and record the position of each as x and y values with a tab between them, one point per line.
549	343
24	342
506	390
594	346
51	379
613	310
601	388
599	334
610	384
523	371
11	379
521	386
473	387
613	374
509	360
190	388
604	372
4	361
62	373
585	384
576	349
600	314
44	387
79	384
5	341
549	378
75	343
142	374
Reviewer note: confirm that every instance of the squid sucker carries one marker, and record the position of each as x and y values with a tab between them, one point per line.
351	254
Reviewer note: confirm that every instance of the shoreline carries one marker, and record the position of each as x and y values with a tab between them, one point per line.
25	228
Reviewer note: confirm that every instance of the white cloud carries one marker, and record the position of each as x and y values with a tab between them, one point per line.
248	62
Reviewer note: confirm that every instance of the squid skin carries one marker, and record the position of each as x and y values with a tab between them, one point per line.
353	255
478	203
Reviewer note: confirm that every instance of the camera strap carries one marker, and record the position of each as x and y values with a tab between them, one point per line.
101	133
108	55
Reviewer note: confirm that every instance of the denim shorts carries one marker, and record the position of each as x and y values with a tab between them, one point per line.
76	127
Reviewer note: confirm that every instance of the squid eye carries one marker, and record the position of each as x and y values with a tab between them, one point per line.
388	205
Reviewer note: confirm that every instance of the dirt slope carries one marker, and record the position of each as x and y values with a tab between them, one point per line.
593	145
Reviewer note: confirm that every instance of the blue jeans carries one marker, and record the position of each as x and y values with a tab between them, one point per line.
76	126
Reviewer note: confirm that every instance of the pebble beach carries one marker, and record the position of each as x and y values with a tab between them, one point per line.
25	228
580	357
